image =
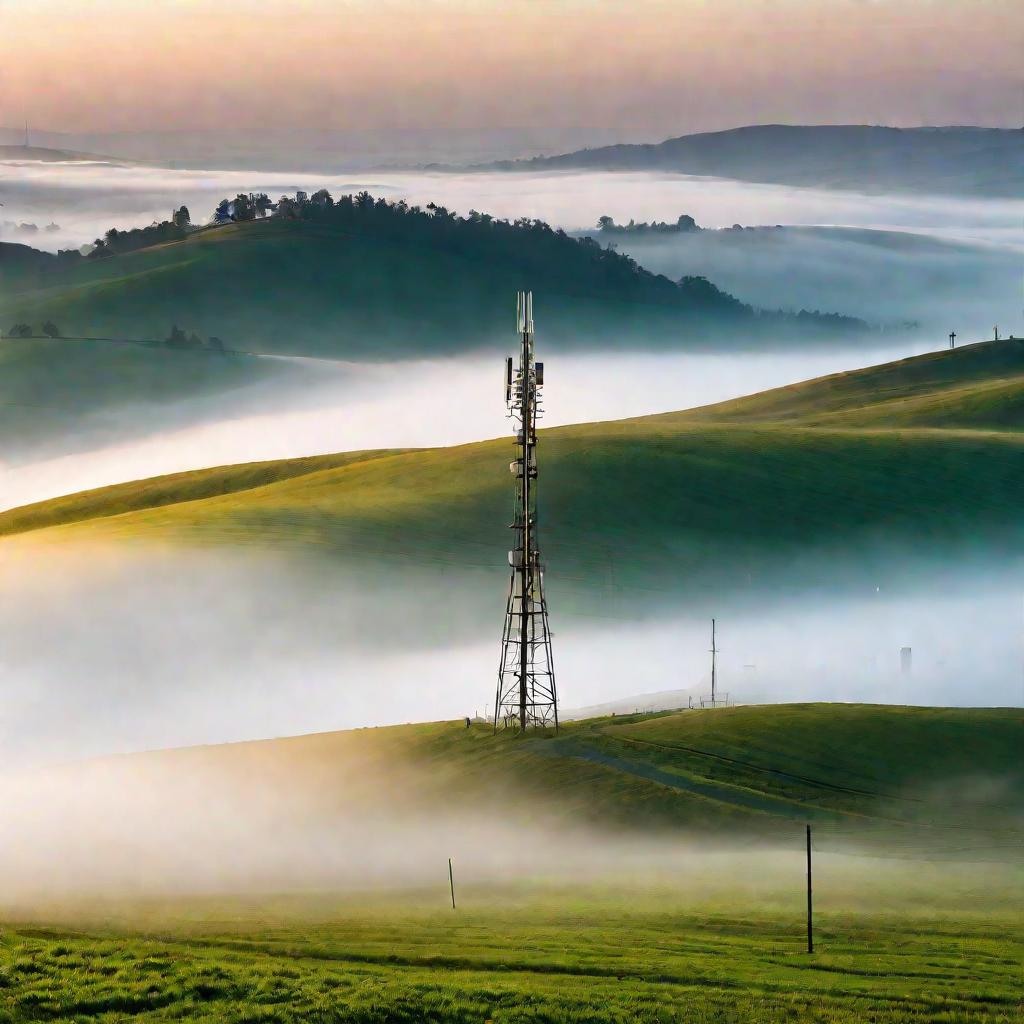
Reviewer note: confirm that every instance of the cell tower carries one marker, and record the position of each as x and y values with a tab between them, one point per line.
526	693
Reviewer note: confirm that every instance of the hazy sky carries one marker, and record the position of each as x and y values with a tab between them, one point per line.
640	68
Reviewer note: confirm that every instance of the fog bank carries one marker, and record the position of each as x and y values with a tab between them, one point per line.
130	648
86	199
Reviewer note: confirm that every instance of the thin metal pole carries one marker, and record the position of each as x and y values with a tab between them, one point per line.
810	897
714	652
451	881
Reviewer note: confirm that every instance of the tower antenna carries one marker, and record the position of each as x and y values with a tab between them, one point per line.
526	694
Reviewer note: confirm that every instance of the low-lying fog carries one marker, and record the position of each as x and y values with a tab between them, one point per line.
86	199
332	407
968	288
98	657
130	649
879	276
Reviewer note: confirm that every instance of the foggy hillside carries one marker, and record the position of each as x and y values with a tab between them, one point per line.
752	493
389	804
371	279
826	524
884	276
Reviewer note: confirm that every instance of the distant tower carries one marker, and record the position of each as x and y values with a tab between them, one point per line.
26	133
526	693
952	339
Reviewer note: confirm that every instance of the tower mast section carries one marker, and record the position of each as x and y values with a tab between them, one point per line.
526	693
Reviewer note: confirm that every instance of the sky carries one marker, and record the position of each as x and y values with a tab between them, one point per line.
632	69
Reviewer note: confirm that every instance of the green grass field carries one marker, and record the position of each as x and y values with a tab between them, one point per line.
561	953
768	488
686	902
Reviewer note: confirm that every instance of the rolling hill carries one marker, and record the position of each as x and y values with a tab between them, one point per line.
881	276
862	774
823	483
953	160
365	279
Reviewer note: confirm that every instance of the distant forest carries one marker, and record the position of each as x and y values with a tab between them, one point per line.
684	225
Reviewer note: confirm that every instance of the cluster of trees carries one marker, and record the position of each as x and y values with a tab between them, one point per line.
245	206
177	338
540	251
114	241
22	330
180	340
685	224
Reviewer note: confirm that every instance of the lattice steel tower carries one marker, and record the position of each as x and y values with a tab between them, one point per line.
526	676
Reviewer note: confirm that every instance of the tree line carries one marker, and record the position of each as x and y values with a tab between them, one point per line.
177	338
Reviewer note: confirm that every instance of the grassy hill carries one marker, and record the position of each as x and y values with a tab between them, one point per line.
818	483
862	774
373	280
954	160
584	890
977	387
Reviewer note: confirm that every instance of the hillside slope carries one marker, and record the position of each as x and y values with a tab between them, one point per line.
977	387
382	282
765	489
860	773
972	161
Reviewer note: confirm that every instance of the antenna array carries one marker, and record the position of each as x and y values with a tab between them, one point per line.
526	693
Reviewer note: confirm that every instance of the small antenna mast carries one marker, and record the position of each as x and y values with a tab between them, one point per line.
714	652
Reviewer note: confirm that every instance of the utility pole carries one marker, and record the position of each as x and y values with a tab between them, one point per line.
451	881
952	339
714	667
810	897
526	676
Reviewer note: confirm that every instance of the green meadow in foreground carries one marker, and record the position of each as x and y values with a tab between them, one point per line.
921	458
919	886
893	947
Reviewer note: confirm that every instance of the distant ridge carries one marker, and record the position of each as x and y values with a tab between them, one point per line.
951	160
53	156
